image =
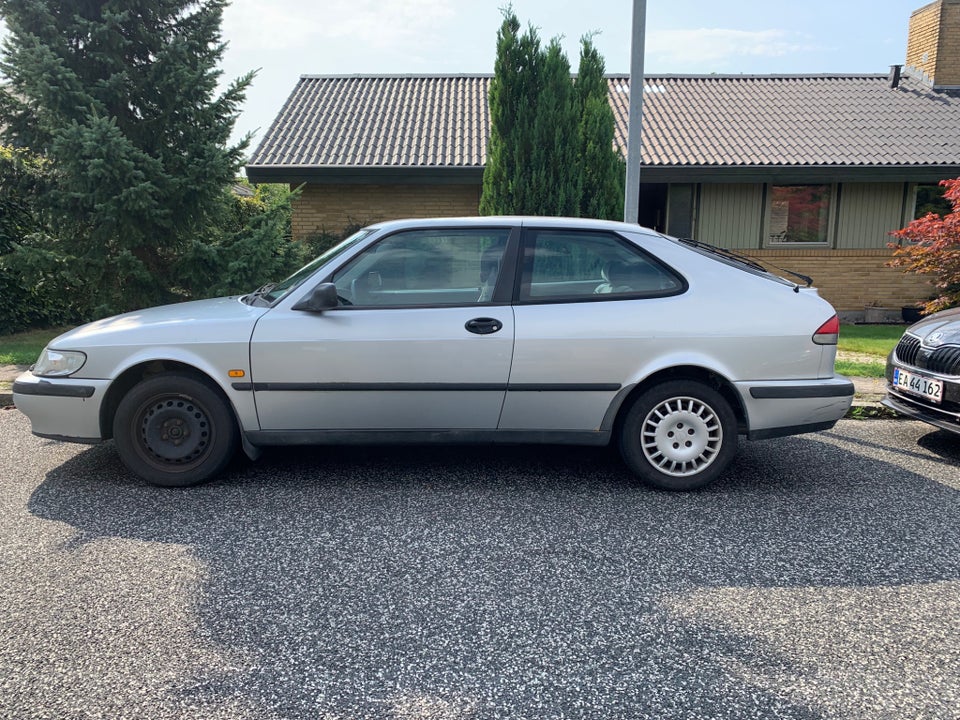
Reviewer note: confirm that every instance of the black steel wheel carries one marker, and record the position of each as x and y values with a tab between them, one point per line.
679	435
174	430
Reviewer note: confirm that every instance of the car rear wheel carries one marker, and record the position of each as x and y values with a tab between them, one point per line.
174	431
679	435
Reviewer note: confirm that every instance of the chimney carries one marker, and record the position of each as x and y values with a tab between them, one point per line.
933	43
894	76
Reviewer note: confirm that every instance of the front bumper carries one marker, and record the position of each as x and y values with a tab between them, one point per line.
61	408
789	407
908	407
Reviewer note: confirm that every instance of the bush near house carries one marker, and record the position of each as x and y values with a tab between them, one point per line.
930	245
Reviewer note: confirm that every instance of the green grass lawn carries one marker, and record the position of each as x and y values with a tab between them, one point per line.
872	343
870	339
24	348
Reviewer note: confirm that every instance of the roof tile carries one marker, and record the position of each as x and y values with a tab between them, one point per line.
707	120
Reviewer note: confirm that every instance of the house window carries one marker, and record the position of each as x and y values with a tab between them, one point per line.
798	214
930	200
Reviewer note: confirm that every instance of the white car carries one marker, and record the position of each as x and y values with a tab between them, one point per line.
492	330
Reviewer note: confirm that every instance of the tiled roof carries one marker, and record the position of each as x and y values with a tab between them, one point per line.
794	120
688	121
400	121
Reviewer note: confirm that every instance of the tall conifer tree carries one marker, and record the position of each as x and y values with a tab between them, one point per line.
602	168
550	150
516	80
120	97
555	172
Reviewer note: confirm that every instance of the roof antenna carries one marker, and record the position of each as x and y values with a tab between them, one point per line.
895	76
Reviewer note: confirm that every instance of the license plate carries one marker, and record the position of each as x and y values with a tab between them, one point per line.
918	385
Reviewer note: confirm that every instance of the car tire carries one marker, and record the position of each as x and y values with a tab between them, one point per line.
174	430
679	435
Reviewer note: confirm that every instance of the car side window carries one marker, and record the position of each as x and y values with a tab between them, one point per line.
568	265
424	268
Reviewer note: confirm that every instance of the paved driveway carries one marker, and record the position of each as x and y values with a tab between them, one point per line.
820	580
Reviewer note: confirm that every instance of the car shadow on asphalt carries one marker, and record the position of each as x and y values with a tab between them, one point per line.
945	445
513	581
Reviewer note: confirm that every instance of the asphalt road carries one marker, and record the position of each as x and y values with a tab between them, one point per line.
820	579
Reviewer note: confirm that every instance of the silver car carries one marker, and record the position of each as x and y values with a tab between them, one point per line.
491	330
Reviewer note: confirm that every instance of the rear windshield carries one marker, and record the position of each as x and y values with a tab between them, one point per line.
741	262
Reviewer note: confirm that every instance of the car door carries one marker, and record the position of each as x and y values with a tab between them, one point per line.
419	342
589	308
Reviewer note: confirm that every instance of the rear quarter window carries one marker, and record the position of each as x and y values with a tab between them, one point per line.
561	265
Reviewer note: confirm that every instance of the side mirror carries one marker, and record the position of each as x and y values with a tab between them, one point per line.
322	297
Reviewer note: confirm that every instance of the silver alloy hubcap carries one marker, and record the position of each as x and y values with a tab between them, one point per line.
681	436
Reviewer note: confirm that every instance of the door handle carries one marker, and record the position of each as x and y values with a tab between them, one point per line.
483	326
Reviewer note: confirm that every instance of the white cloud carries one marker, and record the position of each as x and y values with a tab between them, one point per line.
699	50
293	24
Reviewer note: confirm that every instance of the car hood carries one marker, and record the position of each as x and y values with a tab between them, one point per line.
216	320
942	328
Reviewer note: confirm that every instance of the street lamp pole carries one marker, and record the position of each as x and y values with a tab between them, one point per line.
631	200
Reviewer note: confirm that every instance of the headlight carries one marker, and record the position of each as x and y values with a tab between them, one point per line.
58	363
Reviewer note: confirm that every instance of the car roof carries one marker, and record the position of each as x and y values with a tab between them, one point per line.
512	221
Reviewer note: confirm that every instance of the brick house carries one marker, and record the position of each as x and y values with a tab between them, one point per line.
806	172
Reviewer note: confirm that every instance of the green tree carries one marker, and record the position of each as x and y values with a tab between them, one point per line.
551	149
513	90
555	168
249	243
23	179
603	171
21	182
120	98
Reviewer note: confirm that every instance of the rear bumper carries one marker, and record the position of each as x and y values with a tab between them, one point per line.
790	407
61	408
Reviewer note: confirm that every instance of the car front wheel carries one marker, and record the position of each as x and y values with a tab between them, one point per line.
174	431
679	435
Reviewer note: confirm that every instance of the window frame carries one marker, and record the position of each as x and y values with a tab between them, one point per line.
912	209
504	285
524	271
827	242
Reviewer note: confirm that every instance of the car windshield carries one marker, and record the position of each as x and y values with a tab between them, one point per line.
272	292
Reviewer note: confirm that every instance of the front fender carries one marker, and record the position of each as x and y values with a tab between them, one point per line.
217	366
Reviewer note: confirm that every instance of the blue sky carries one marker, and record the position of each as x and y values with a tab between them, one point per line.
287	38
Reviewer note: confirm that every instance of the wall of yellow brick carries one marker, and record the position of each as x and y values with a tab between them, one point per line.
851	279
933	42
922	38
948	52
331	208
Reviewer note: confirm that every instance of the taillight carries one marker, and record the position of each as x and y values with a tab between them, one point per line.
828	333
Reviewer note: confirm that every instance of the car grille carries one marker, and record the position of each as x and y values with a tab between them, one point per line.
908	348
943	361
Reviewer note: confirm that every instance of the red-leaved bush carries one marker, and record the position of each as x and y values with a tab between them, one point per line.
930	245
